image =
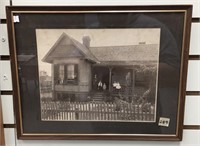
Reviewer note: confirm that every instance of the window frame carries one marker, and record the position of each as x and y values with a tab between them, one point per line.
66	81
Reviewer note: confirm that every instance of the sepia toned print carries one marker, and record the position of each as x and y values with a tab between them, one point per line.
98	74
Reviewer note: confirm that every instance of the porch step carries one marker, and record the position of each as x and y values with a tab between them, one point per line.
98	97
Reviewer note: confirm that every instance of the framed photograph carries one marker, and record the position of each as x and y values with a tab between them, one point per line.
99	72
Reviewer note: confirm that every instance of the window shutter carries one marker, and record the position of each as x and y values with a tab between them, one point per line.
76	71
56	73
65	73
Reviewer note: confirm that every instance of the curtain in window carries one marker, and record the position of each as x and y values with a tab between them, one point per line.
61	73
71	72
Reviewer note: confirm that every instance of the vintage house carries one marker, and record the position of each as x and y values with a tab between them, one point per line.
80	71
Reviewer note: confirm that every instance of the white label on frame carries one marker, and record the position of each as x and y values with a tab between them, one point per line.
164	122
16	19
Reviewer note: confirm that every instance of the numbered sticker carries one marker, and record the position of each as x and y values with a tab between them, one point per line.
164	122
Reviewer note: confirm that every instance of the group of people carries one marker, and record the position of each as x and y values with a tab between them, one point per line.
101	86
98	84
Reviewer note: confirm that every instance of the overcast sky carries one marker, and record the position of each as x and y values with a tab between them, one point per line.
99	37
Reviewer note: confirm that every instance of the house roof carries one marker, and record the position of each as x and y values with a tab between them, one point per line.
106	55
59	50
126	54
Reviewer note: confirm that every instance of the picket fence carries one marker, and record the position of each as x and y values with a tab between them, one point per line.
96	111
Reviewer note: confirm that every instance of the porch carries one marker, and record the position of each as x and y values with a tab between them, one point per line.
117	80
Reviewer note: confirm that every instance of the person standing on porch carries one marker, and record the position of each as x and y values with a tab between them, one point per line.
100	85
95	83
104	86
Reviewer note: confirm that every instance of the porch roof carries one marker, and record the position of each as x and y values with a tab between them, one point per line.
125	63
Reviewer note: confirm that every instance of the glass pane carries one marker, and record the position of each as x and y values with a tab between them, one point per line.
70	72
61	73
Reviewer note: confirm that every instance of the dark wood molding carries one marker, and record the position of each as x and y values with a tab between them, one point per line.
193	93
2	137
196	19
194	57
6	92
2	21
11	3
191	127
9	125
5	57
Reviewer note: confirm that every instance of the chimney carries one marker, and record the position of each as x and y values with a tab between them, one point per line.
86	41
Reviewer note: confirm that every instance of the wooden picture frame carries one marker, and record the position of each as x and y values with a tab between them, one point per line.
99	72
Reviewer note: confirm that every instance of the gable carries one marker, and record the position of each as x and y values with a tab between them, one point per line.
66	46
63	51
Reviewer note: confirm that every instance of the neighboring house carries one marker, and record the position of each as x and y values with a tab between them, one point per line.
79	70
45	85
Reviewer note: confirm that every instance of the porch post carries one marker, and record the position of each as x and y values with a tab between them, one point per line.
53	81
110	78
133	81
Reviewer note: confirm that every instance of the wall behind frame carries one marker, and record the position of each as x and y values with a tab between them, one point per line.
191	135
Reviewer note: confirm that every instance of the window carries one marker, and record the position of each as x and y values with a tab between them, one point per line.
61	73
66	74
71	75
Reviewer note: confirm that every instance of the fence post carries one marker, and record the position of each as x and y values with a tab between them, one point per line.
76	114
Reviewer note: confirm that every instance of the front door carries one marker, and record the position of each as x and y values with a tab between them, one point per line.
100	79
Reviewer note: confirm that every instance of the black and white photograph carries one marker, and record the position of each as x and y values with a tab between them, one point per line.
98	74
